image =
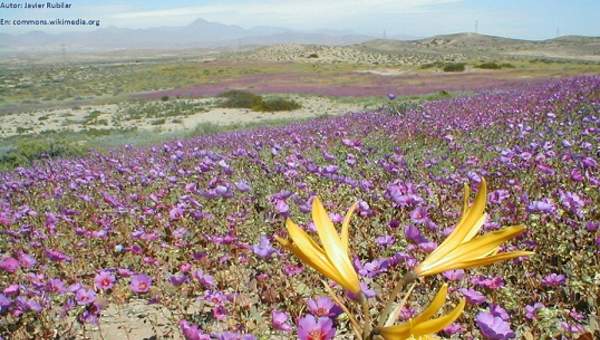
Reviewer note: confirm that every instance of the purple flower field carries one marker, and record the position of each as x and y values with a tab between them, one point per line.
190	224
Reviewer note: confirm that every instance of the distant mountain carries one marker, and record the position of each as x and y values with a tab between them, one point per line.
473	43
198	34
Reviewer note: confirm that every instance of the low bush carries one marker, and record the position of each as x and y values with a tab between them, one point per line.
494	66
26	153
454	67
277	104
248	100
240	99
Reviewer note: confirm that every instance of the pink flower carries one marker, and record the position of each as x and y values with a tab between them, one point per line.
9	264
104	280
322	306
473	297
191	331
553	280
454	275
493	327
85	296
206	280
140	283
311	328
279	321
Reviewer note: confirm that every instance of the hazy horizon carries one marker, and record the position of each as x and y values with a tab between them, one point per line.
533	20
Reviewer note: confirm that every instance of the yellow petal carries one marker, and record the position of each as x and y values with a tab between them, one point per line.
462	229
346	225
472	250
475	228
306	249
494	258
466	194
435	305
334	248
436	325
396	332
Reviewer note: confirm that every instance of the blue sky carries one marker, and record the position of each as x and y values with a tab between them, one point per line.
520	19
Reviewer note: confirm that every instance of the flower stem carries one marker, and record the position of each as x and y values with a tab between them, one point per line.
396	311
389	305
355	326
368	323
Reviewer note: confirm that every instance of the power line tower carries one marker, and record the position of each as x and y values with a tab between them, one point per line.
557	31
476	26
384	34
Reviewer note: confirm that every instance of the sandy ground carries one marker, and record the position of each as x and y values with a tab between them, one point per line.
133	321
74	119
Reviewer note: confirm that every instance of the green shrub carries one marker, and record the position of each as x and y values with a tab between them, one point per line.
164	98
25	153
494	66
454	67
277	104
241	99
248	100
437	64
489	66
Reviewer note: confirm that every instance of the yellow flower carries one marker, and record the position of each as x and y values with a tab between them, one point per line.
332	258
421	326
461	250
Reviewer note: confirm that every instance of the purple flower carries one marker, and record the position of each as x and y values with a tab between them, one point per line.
26	260
322	306
493	327
140	283
282	207
104	280
454	275
264	248
311	328
242	186
206	280
454	328
191	331
219	312
531	310
497	196
85	296
175	213
553	280
56	286
385	240
57	256
178	279
489	283
9	264
414	235
427	247
473	297
368	292
572	202
279	321
546	206
419	215
500	312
